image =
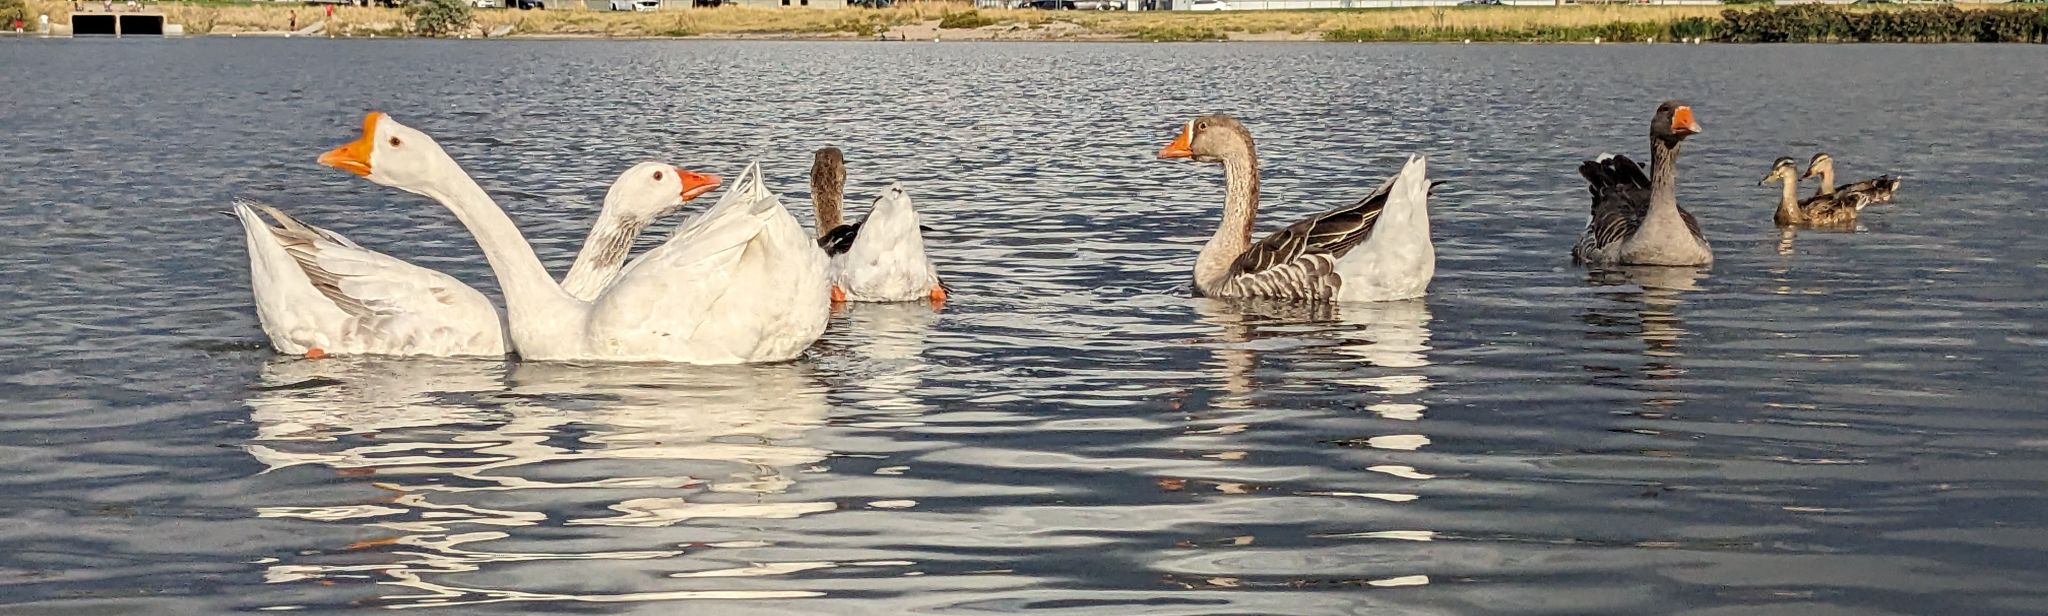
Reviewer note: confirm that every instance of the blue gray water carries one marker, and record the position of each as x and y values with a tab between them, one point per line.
1824	423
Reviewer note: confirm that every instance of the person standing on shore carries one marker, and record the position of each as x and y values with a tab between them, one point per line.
330	12
294	22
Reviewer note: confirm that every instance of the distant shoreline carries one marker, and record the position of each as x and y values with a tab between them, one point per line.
960	22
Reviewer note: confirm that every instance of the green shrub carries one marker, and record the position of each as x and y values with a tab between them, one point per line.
1814	23
965	21
11	10
1170	33
438	17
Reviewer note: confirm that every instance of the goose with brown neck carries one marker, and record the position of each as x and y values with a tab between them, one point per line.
879	258
1877	190
1635	218
1816	211
1375	249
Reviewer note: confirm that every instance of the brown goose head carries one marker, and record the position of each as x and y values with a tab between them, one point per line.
1210	138
1785	169
1821	163
1673	123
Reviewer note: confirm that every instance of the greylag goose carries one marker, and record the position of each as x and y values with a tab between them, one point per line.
879	258
1376	249
1819	210
1878	189
1636	219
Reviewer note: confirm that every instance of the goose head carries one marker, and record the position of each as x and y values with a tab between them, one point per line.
1673	123
652	190
1210	138
1785	169
393	154
1821	163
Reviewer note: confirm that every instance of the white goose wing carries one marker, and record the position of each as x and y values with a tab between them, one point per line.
741	283
317	290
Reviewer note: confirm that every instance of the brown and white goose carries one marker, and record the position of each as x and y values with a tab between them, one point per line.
1376	249
1636	219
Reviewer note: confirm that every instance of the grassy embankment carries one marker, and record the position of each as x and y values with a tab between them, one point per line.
1492	24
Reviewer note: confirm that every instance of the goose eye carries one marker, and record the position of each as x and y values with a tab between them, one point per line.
394	142
1201	125
657	176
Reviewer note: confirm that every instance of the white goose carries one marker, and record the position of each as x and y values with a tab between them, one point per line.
742	283
879	258
319	294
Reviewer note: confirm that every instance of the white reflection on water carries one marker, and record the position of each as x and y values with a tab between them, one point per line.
1374	352
454	446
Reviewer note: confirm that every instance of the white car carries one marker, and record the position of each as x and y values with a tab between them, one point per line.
484	4
1208	5
646	5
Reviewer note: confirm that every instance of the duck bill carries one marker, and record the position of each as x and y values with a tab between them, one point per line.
1181	146
354	157
696	184
1682	122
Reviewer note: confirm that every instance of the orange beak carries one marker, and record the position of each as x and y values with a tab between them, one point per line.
1180	147
696	184
355	156
1682	122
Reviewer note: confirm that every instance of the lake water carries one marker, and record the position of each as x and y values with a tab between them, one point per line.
1826	423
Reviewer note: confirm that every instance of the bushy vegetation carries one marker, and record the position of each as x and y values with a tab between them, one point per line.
1164	33
966	20
1946	24
11	10
438	17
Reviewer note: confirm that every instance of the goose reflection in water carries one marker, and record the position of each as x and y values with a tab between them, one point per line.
457	450
1650	313
885	343
1378	348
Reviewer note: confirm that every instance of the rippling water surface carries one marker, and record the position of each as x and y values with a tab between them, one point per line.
1824	423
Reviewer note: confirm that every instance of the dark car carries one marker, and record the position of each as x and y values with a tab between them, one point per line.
1479	3
1052	5
525	5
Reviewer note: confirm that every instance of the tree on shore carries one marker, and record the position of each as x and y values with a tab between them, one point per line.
11	10
435	17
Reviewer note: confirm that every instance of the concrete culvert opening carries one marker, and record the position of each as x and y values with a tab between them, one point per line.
88	25
142	25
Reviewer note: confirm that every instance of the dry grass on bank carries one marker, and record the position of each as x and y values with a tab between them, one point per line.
1444	23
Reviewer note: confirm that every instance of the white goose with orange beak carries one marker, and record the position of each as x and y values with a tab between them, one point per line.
742	283
319	294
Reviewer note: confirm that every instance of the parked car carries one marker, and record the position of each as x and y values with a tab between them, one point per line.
484	4
622	5
1051	5
1208	5
526	4
646	5
1099	5
1479	3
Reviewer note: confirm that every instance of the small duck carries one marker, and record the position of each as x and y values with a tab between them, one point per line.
1879	189
1838	208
